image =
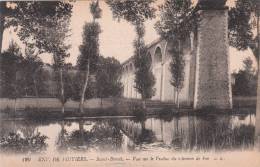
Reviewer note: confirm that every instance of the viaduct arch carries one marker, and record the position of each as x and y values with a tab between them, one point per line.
207	78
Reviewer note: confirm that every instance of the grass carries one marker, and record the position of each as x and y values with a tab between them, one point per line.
244	102
242	105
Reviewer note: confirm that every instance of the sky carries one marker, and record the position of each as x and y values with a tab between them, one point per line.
116	39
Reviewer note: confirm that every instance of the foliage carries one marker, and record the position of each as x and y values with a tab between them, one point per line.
177	68
144	77
211	4
102	136
32	19
77	81
89	49
138	111
176	23
42	25
240	30
14	142
106	136
95	9
134	12
176	19
241	24
11	64
108	78
245	80
67	86
33	75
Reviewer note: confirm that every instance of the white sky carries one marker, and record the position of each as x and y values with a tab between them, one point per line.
116	39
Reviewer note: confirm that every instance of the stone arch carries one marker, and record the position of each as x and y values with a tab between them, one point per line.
158	72
126	81
131	67
151	59
126	68
130	80
158	57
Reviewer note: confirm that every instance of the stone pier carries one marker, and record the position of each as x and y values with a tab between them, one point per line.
213	78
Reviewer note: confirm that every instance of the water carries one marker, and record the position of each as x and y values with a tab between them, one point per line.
123	135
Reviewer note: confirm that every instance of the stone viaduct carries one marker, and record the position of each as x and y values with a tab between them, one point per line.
207	79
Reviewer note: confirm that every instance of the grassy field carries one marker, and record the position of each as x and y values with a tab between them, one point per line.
51	103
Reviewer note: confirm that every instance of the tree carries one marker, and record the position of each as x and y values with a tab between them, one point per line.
77	80
51	37
41	25
144	77
68	80
177	71
10	67
33	74
242	21
108	78
177	21
89	49
30	16
242	37
136	12
245	80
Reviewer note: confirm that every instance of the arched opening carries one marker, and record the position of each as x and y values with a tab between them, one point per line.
131	80
131	67
158	56
150	58
158	72
126	80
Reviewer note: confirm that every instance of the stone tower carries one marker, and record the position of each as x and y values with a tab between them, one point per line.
213	78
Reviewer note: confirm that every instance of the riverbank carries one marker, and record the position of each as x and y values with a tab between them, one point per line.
50	108
167	113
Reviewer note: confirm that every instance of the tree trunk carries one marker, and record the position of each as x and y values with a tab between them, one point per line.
81	126
81	131
62	92
144	104
16	93
15	105
178	102
2	22
62	135
36	93
257	123
81	105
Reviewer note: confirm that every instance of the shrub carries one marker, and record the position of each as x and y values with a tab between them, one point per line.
138	111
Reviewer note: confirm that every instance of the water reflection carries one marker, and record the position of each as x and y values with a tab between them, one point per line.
102	136
21	139
188	133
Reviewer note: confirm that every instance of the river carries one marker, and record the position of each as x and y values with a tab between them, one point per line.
217	133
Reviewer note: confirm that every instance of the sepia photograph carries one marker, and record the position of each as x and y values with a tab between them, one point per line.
130	83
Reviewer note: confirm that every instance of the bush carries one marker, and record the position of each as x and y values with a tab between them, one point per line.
166	110
166	113
138	111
